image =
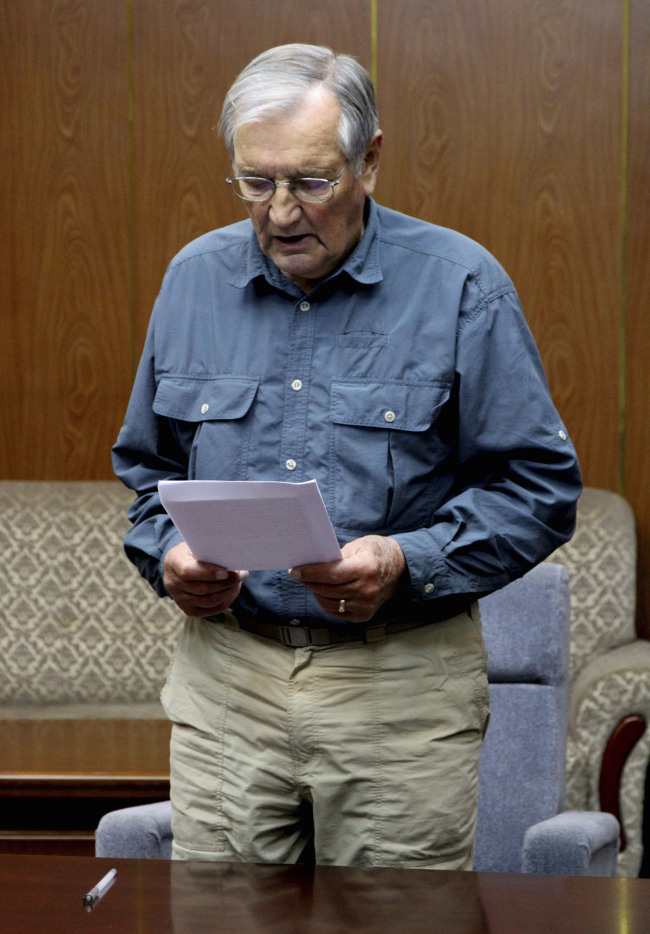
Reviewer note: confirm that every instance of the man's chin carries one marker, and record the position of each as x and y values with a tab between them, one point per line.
298	256
299	268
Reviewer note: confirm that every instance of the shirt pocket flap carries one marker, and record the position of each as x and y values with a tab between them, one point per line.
394	404
200	400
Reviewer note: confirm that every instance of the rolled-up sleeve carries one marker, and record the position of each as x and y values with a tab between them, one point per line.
518	476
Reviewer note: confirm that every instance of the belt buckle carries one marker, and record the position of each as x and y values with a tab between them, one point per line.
296	637
375	633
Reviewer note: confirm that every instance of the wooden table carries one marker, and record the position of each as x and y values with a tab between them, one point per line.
44	894
57	778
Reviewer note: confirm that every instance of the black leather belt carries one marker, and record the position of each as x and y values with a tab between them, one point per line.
296	635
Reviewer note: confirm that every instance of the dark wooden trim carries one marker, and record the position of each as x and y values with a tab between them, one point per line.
620	744
83	786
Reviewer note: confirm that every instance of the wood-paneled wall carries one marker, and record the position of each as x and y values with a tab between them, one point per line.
525	125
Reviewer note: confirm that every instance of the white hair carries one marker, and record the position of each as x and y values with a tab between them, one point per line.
279	79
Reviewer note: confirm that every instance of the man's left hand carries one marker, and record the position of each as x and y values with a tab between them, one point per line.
371	571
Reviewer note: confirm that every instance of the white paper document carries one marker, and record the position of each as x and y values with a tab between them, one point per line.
251	525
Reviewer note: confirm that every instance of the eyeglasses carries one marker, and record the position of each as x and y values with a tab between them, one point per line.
309	190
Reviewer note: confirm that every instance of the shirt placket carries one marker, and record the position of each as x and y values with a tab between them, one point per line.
296	391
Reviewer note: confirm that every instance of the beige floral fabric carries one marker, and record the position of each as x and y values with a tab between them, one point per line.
77	623
601	560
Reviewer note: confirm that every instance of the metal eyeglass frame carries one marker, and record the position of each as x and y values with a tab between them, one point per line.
290	185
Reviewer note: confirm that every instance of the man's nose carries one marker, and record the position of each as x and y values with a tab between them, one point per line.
284	206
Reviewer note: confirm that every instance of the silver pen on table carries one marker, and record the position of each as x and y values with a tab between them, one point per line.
98	890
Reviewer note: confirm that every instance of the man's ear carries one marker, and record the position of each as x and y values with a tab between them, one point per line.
371	162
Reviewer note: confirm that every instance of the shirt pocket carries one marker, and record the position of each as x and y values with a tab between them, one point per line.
386	449
210	417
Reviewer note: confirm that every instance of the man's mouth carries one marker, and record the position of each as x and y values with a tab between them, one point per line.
296	238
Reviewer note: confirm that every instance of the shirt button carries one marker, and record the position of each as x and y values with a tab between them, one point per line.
389	416
297	385
562	435
204	408
429	588
305	306
290	464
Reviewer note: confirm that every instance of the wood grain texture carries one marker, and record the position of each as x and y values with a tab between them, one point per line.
65	304
186	55
637	461
504	122
81	748
503	119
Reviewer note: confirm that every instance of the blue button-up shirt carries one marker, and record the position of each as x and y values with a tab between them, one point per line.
407	384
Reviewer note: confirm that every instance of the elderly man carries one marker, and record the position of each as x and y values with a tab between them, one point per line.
338	709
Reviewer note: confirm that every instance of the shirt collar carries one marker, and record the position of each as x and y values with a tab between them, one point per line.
363	264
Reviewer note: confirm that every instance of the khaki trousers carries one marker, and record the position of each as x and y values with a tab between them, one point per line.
367	753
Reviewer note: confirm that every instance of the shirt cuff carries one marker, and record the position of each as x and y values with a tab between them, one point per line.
427	568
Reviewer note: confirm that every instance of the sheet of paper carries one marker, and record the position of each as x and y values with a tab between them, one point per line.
251	525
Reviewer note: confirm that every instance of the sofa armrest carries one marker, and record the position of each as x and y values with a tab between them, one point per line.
609	708
574	843
631	659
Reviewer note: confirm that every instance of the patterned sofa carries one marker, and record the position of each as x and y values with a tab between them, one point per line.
81	635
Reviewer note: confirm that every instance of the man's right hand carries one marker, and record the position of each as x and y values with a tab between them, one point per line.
199	589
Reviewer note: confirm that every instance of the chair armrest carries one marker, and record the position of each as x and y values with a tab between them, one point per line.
574	843
141	832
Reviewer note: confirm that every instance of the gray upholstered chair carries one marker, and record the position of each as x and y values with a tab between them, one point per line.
521	824
140	832
609	673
